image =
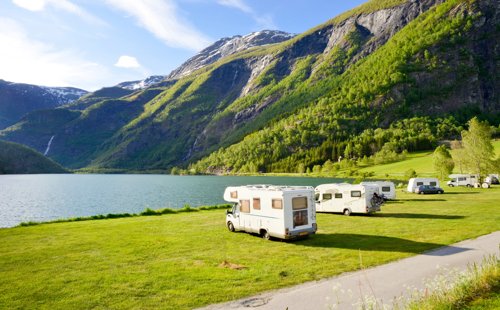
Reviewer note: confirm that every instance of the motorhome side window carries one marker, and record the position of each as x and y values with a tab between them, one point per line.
386	189
338	195
420	183
327	196
256	203
234	194
461	179
433	183
245	206
277	204
355	193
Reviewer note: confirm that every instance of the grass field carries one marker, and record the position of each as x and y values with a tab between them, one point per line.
421	162
176	261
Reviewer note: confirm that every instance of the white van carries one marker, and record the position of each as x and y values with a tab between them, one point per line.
469	180
414	183
347	198
386	188
284	212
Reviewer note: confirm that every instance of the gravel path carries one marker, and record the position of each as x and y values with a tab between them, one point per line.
381	286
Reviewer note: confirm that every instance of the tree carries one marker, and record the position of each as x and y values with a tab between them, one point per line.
458	155
443	163
478	150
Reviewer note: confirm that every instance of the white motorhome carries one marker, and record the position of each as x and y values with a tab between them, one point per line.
386	188
413	183
347	198
469	180
285	212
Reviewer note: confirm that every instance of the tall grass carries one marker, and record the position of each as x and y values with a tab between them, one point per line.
458	292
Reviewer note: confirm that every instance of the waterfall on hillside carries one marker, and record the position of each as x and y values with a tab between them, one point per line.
48	146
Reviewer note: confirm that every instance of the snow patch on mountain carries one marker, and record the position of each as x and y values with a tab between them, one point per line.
228	46
141	84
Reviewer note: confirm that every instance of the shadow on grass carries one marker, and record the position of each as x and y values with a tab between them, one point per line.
419	216
461	193
421	199
378	243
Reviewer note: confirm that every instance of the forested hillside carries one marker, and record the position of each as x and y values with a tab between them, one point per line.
19	159
386	77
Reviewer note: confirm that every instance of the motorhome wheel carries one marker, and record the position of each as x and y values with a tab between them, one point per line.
230	226
266	235
347	212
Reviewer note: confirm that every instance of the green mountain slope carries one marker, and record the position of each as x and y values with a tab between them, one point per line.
395	82
401	72
19	159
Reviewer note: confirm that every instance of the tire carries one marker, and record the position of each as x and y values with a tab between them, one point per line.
230	226
450	185
347	212
440	192
421	193
266	235
469	186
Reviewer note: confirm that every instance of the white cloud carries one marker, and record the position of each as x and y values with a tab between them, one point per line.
127	62
23	59
32	5
238	4
64	5
161	18
263	21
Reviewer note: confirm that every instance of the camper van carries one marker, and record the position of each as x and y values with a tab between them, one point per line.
285	212
414	183
469	180
347	198
386	189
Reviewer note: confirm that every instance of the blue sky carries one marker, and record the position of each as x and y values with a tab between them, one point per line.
95	43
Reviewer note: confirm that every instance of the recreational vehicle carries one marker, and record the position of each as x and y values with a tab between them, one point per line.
469	180
386	189
284	212
414	183
347	198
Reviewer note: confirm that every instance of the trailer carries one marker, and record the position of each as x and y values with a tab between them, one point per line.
414	183
386	188
284	212
348	198
469	180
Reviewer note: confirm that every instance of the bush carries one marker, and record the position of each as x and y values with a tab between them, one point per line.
410	173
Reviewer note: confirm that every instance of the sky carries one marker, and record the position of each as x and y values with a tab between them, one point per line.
92	44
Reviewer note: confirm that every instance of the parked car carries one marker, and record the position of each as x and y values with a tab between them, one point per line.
429	189
492	179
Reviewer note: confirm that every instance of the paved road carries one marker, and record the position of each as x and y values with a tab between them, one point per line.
382	285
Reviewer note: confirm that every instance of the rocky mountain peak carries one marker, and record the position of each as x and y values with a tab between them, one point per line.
141	84
228	46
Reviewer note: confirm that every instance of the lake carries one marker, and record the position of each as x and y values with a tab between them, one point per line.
45	197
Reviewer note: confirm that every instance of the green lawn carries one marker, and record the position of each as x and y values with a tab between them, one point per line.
173	261
421	162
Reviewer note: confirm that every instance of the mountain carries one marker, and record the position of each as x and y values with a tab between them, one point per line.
226	47
388	76
141	84
18	159
17	99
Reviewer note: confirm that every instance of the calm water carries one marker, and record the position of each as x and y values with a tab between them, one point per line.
47	197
